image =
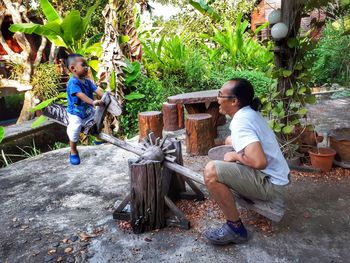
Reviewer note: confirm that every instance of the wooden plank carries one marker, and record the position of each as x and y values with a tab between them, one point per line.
194	97
198	178
17	131
122	144
273	210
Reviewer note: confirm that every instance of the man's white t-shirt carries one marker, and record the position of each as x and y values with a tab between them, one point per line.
248	126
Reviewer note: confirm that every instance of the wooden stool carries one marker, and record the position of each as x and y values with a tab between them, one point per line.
173	116
150	121
199	133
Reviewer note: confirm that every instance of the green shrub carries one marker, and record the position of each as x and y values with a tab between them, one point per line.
148	95
45	81
261	83
332	56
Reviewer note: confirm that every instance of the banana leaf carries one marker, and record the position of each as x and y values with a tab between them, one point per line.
50	12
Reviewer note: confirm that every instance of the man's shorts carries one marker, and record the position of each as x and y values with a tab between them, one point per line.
248	182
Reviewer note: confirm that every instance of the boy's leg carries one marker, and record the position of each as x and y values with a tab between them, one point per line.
73	147
73	131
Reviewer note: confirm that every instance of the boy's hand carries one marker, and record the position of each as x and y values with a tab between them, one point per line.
97	103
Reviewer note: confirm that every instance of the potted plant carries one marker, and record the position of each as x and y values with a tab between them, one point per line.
322	157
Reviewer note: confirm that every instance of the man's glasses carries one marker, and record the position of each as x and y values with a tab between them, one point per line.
225	97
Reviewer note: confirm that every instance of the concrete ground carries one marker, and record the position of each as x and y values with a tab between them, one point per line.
52	211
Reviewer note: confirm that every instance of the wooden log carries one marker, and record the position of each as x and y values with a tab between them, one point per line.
150	121
198	178
172	116
199	133
147	198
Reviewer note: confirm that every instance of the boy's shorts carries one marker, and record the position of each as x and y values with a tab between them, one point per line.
248	182
75	123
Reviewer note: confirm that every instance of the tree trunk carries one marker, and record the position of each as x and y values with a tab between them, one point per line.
150	121
286	57
147	198
29	102
199	133
172	116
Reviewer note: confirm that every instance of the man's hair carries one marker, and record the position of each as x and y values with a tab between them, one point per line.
243	90
71	59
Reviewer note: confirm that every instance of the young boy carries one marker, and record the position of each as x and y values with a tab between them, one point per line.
80	102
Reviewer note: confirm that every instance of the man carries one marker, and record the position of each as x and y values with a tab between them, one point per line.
257	168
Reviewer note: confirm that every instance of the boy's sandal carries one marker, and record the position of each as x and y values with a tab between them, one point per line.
74	159
224	236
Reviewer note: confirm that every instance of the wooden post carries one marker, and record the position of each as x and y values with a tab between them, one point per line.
177	182
199	133
172	116
147	198
150	121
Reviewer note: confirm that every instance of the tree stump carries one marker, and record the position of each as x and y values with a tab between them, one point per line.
173	116
147	198
150	121
199	133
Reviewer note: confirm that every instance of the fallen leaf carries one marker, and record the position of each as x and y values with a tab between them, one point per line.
24	226
60	259
14	219
66	240
84	236
68	250
148	239
52	251
34	254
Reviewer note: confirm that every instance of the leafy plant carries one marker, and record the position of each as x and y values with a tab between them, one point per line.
148	94
67	32
177	63
205	9
242	51
332	55
45	81
61	98
2	133
262	84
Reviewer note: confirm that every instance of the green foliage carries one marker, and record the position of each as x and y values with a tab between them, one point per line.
205	9
65	32
262	84
150	96
332	55
180	66
242	50
45	81
194	24
40	120
2	133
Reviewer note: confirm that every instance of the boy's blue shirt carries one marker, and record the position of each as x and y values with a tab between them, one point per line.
75	105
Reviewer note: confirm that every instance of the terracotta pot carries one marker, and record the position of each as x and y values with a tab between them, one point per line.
339	140
322	159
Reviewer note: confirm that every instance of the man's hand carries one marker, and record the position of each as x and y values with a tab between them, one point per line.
97	103
230	157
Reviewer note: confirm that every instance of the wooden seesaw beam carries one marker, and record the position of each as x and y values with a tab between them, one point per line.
186	172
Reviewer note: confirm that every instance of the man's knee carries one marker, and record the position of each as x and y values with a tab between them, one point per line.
210	174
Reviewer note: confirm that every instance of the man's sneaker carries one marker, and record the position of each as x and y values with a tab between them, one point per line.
224	236
74	159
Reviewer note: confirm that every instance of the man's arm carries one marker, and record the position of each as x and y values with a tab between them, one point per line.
252	156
